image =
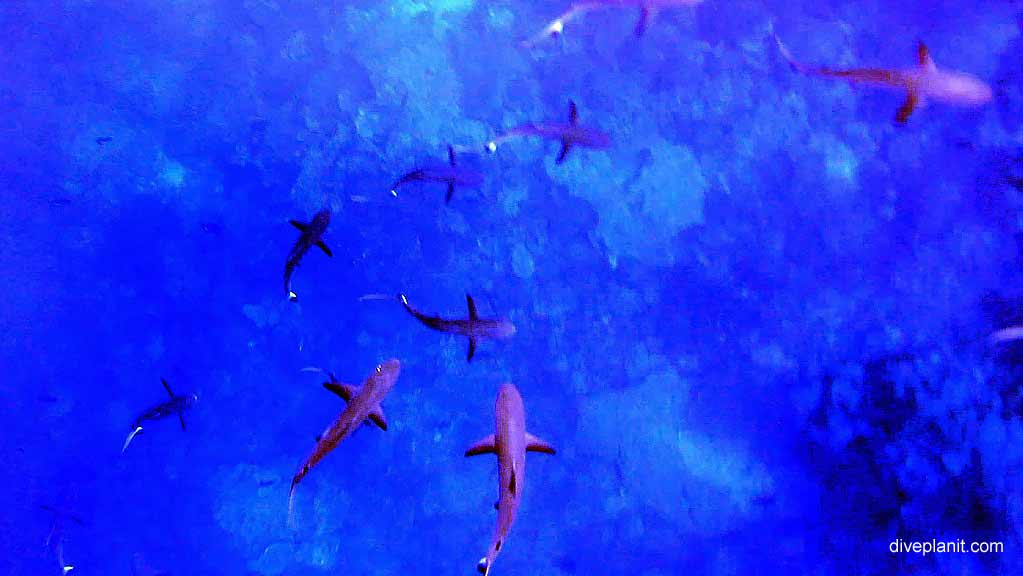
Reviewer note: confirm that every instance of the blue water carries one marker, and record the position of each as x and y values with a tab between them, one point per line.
755	328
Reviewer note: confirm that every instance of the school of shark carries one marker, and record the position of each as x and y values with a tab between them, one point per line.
920	84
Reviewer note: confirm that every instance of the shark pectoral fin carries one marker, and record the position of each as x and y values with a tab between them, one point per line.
181	419
565	147
167	387
377	416
326	249
472	350
450	193
645	15
298	225
534	444
924	56
473	313
907	108
345	391
483	446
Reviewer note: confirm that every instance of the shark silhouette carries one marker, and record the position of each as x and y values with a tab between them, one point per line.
312	235
452	175
363	403
570	134
921	84
474	328
177	405
648	10
510	442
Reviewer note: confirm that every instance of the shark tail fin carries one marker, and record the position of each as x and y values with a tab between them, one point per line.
784	50
291	507
131	437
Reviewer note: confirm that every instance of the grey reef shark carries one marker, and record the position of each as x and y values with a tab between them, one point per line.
363	404
510	442
570	134
648	10
55	539
923	83
311	235
177	405
452	175
473	327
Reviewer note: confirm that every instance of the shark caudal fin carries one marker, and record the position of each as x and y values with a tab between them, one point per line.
291	506
135	432
784	51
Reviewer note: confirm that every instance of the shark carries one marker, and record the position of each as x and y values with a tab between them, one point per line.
570	134
453	175
923	83
474	328
363	404
648	10
510	442
177	405
311	235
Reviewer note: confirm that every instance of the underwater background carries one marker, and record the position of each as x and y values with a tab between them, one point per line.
755	328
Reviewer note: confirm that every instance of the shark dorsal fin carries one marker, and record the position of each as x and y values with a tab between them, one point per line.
301	227
511	482
923	55
473	314
167	387
573	113
451	156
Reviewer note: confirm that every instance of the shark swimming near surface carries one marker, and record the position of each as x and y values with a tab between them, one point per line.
570	134
474	328
510	442
312	235
923	83
648	10
177	405
363	404
453	175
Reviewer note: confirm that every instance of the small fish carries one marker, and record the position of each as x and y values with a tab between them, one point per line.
176	406
648	10
474	328
312	235
1005	335
510	442
452	175
363	403
103	140
921	84
569	133
55	539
